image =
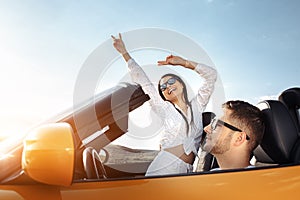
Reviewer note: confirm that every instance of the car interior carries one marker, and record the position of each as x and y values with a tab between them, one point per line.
280	144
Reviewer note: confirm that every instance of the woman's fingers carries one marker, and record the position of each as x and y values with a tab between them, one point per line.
171	60
170	56
114	38
162	62
165	62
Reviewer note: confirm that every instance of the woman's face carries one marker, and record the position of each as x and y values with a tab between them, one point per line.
171	88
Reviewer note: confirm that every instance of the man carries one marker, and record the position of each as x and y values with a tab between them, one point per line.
233	137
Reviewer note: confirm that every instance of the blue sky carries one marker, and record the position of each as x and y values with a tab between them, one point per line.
255	46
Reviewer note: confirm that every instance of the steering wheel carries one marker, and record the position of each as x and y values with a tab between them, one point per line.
92	164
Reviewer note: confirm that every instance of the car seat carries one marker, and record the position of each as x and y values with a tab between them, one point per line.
281	142
291	98
207	161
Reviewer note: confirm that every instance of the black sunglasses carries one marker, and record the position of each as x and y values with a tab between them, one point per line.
217	122
170	81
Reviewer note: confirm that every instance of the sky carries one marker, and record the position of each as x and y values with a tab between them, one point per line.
255	46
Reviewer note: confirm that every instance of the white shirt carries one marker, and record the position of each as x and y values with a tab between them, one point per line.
174	130
217	169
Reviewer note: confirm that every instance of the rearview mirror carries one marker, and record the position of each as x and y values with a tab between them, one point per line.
48	154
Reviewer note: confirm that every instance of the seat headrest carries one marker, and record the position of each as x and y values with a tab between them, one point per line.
291	98
206	119
280	133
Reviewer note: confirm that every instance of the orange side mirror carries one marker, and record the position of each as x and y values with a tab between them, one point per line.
49	154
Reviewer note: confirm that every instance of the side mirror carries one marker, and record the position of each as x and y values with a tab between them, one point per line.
49	154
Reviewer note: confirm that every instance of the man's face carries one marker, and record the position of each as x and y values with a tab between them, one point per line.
218	138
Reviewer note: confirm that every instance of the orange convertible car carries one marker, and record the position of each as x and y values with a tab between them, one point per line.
73	157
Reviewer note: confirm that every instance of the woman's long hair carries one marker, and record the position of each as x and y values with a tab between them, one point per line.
185	96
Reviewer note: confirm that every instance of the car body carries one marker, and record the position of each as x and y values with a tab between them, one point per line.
57	160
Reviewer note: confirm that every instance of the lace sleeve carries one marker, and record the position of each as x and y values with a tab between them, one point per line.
139	76
210	76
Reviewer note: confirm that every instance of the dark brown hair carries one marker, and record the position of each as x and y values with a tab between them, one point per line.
248	118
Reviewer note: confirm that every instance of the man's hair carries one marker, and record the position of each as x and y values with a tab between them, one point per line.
249	119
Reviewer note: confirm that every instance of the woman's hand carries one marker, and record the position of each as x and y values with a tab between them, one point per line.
120	47
177	60
172	60
119	44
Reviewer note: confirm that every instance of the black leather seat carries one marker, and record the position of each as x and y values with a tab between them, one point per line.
281	142
291	98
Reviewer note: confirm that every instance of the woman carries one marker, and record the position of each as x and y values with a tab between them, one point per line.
181	118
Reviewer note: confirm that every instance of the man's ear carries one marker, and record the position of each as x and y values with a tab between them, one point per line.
240	138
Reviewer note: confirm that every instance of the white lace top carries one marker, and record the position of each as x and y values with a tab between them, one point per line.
174	130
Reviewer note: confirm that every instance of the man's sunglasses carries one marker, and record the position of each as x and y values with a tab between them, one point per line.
170	81
217	122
